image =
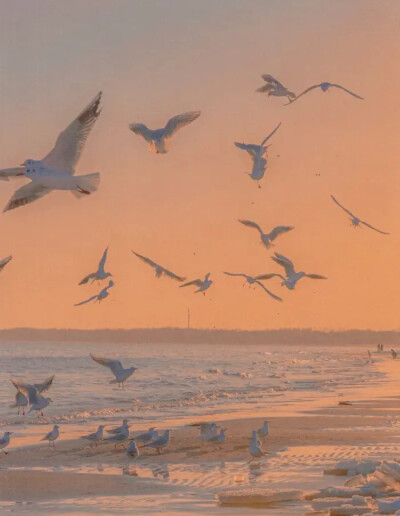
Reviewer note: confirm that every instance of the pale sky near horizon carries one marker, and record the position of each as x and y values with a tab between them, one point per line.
153	60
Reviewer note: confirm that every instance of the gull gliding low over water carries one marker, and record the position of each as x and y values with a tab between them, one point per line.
324	86
121	374
267	238
202	284
292	277
56	170
100	274
159	269
98	297
159	138
257	153
274	88
254	280
355	221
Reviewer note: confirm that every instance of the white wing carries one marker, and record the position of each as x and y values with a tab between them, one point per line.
114	365
196	282
27	390
25	195
279	230
175	123
87	300
285	263
44	386
250	224
268	291
7	173
102	262
252	149
87	278
4	262
70	143
270	134
143	131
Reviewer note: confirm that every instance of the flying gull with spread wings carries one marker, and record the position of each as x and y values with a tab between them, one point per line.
267	238
100	274
253	280
275	88
355	221
56	170
159	269
324	86
115	366
159	138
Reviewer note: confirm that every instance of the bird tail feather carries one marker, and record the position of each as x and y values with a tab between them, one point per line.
86	184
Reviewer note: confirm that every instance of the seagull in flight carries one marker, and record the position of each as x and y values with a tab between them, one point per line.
56	170
251	280
273	87
202	284
355	221
159	269
291	276
100	274
36	401
159	138
98	297
4	262
121	374
267	238
257	153
325	87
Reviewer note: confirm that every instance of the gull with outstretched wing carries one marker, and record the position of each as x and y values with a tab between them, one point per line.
291	276
253	280
159	138
159	269
56	170
275	88
100	274
355	221
4	262
98	297
35	400
257	154
267	238
202	284
324	86
115	366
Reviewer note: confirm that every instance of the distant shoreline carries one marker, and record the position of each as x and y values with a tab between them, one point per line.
203	336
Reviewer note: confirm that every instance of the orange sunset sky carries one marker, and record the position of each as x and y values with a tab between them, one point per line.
154	59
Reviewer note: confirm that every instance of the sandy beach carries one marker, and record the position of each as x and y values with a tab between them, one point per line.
188	476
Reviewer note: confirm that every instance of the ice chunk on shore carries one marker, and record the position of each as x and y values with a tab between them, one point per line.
353	467
343	492
257	496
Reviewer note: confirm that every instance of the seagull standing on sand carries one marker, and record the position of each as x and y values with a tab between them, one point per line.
257	153
56	170
324	87
202	284
159	269
292	277
132	451
5	441
160	442
119	429
36	401
273	87
4	262
22	401
98	297
95	437
255	447
121	437
267	238
100	274
218	439
52	436
264	430
121	374
355	221
146	437
254	281
159	138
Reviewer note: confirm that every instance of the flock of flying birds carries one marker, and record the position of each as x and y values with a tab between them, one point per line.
56	171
